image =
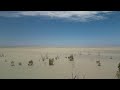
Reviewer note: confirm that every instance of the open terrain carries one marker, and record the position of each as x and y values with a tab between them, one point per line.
59	63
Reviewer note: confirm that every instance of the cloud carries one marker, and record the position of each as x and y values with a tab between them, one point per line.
69	15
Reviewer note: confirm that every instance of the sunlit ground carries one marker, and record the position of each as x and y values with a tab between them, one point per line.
87	63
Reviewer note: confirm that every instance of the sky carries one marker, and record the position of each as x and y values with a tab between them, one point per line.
60	28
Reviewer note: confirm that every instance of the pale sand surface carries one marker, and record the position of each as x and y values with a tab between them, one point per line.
83	66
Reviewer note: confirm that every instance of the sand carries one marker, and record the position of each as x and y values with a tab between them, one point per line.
84	65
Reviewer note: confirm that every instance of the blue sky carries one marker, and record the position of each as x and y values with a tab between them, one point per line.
60	28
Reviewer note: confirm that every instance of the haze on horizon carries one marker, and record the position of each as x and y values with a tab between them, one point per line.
60	28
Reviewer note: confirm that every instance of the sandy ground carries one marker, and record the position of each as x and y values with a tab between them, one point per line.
84	65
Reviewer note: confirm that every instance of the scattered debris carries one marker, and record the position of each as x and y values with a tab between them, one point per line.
118	74
89	53
66	57
30	63
84	76
98	62
43	58
75	76
46	56
2	55
80	53
5	60
12	63
57	58
111	57
20	63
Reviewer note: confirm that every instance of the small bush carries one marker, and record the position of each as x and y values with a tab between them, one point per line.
12	63
119	66
30	63
51	61
71	58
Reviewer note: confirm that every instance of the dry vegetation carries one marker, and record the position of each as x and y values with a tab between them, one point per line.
52	60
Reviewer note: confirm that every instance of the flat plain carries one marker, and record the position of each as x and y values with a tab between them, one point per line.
55	63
